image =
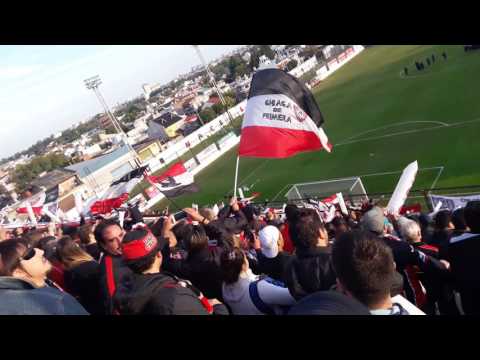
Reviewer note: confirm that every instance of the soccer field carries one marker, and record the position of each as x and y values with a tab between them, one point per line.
378	121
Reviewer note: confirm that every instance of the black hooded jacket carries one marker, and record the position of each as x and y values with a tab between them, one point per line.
309	271
157	294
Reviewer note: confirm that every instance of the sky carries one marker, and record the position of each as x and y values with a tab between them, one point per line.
42	90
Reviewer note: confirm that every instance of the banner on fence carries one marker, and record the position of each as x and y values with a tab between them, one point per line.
452	202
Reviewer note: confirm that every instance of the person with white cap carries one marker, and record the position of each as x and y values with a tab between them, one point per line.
272	260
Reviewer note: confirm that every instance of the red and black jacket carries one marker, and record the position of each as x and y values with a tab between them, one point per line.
113	271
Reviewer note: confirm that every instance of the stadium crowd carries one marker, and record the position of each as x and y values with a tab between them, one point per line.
245	260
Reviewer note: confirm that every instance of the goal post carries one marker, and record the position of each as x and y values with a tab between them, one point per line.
352	189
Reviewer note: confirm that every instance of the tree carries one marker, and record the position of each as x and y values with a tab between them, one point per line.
229	101
24	174
207	114
292	64
267	51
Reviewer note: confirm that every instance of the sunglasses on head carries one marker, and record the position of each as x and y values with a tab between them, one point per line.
30	253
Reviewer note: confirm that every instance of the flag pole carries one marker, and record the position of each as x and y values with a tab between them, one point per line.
236	178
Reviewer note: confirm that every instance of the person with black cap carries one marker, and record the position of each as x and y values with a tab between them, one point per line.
150	291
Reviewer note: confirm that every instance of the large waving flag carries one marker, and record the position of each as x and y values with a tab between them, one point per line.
282	118
175	181
118	191
36	202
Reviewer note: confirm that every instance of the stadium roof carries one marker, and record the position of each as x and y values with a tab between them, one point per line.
87	167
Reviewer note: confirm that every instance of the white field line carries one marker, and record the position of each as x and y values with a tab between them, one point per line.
397	124
407	132
346	142
253	172
281	190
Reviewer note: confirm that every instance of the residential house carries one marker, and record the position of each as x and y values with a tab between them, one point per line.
148	149
170	122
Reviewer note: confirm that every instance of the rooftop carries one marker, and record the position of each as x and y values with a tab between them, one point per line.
87	167
53	178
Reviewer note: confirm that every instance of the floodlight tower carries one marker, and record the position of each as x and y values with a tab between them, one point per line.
93	84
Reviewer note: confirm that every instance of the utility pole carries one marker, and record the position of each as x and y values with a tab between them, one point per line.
212	80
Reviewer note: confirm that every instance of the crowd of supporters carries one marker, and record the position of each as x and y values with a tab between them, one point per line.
242	260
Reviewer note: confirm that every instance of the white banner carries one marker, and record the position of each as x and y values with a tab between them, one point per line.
452	202
403	187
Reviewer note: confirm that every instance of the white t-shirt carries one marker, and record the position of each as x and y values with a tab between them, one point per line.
237	295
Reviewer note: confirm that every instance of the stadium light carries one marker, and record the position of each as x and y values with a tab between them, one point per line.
93	83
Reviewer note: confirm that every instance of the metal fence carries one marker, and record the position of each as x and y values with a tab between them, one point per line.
415	196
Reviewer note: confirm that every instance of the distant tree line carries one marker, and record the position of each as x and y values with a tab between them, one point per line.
25	173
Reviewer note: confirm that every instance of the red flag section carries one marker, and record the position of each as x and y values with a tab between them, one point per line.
266	134
36	210
174	170
106	206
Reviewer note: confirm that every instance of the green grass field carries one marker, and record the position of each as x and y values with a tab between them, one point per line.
378	121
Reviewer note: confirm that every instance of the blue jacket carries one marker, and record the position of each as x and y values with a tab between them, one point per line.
18	297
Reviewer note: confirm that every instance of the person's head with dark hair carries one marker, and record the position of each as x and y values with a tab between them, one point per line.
290	211
142	251
472	216
215	231
85	234
109	236
307	230
340	226
71	231
198	240
33	237
443	220
328	303
233	263
157	227
48	245
458	220
365	268
26	263
249	212
182	231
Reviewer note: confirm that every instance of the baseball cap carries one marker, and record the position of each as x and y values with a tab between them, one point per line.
269	240
140	243
373	220
328	303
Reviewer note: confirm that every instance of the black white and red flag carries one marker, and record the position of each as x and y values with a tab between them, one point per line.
118	191
281	119
176	181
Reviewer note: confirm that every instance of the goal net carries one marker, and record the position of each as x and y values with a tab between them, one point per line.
352	190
